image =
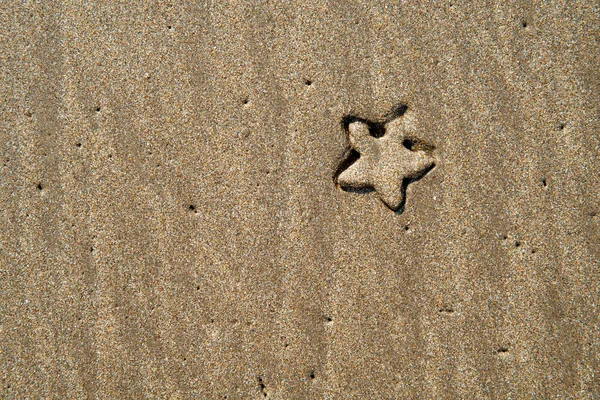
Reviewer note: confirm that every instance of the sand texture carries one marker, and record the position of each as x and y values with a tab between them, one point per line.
202	200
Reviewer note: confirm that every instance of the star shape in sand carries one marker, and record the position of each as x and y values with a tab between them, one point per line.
386	164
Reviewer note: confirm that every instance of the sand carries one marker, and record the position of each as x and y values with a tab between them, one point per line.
172	225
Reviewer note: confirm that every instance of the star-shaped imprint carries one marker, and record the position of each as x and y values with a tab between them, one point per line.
388	163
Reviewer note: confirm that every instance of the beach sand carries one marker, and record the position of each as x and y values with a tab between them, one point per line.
172	226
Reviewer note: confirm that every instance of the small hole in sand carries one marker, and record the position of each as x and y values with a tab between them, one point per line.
262	386
307	82
409	144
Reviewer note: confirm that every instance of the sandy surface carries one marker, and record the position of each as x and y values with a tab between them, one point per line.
171	227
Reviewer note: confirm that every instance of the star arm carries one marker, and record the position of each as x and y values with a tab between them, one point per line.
356	176
399	127
420	164
391	193
360	137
